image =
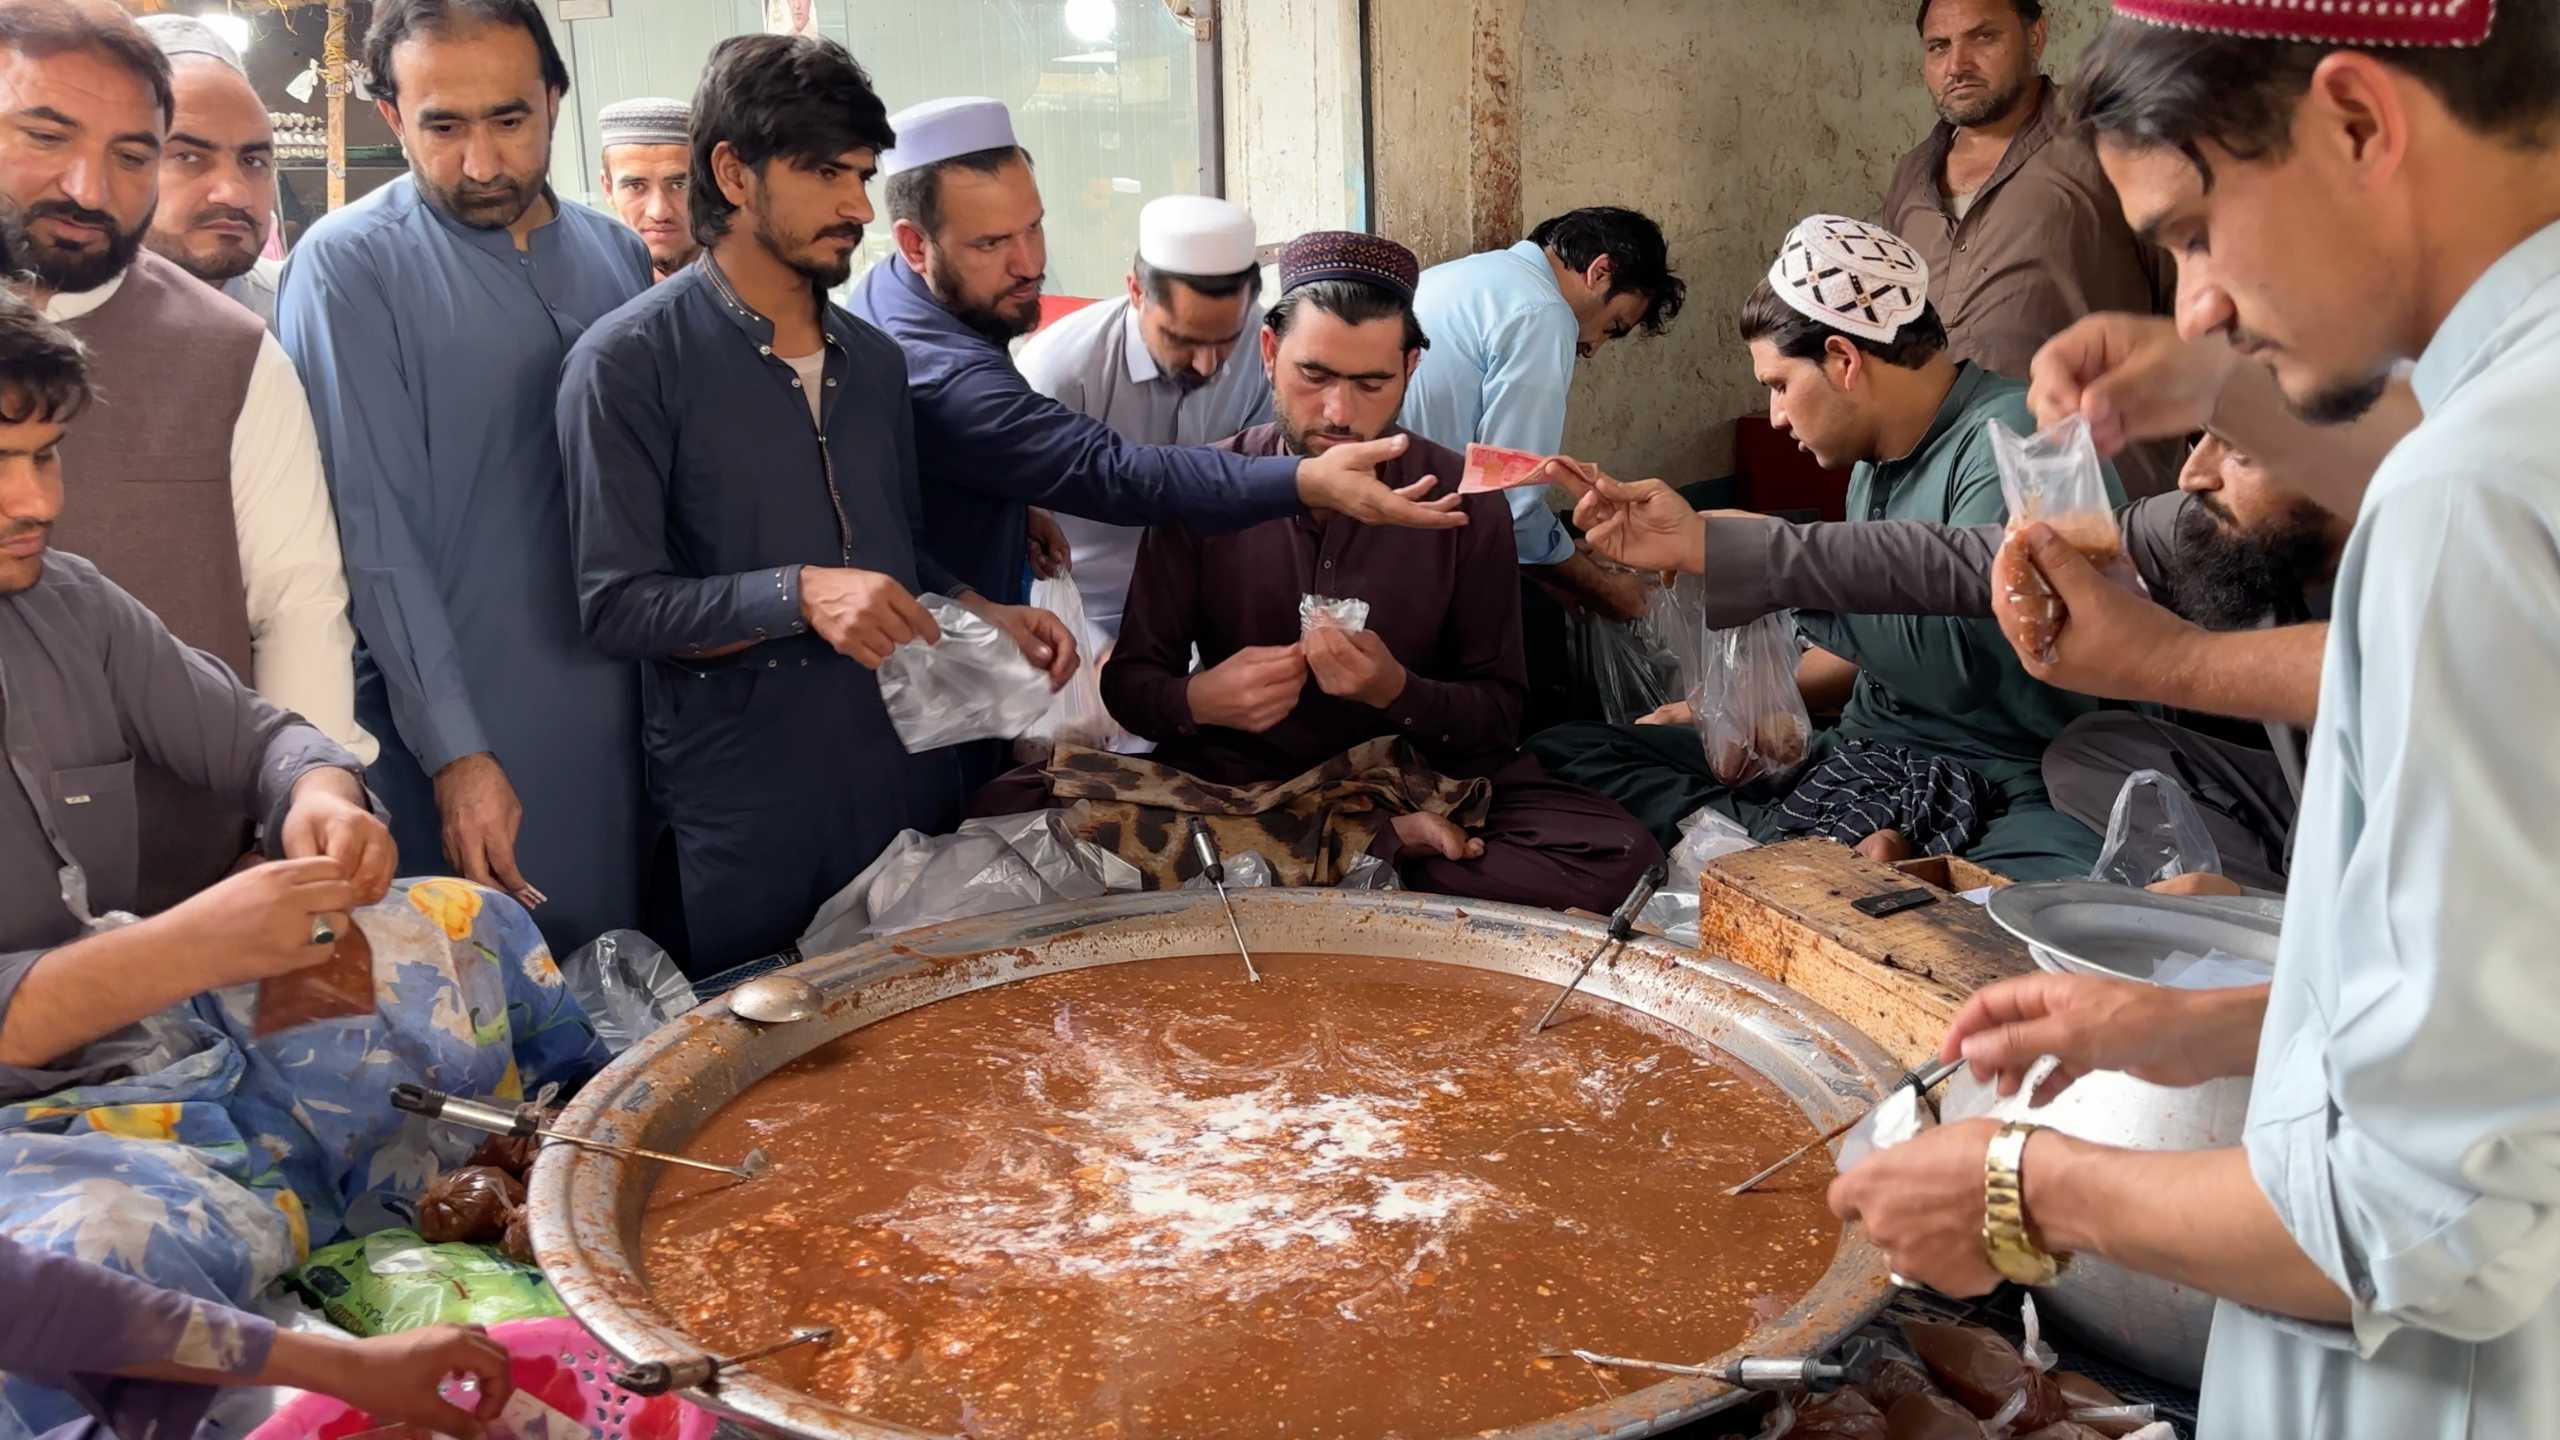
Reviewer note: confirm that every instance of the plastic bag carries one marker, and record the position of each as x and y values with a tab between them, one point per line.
1008	862
2155	833
392	1281
1899	1118
1748	711
1370	873
1704	835
1248	871
975	685
627	986
472	1205
338	988
2054	477
1322	612
1076	714
1622	670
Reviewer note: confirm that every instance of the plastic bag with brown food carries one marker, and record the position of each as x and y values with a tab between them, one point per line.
1749	713
2067	1430
1840	1415
471	1205
518	1243
511	1153
1894	1379
2054	477
337	988
1984	1373
1930	1417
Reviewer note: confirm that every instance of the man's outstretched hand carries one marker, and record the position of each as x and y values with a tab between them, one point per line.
1642	524
1345	480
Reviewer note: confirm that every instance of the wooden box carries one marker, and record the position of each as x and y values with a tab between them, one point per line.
1952	873
1785	910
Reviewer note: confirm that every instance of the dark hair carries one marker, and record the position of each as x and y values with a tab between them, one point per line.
1158	284
917	194
799	97
1353	302
2156	88
2029	12
1801	337
42	29
1638	258
44	369
395	21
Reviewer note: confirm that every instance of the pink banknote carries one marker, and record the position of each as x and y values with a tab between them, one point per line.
1495	467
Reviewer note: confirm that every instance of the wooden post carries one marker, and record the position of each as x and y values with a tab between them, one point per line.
333	78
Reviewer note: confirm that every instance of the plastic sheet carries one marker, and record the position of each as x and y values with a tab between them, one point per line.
1749	713
1370	873
975	685
1322	612
2054	478
1901	1117
1076	714
627	985
1622	670
1245	871
392	1280
2155	833
1704	835
986	866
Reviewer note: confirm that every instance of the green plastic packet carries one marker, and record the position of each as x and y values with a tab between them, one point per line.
392	1281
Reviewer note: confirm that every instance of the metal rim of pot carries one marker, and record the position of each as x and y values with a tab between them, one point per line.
586	1205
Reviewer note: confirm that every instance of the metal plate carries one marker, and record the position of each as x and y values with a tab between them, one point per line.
2083	927
586	1206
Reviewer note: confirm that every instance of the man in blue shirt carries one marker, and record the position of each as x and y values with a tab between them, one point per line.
965	281
742	478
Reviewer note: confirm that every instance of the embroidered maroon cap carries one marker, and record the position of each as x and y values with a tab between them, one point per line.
2333	22
1348	255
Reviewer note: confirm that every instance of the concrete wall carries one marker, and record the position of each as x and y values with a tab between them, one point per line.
1290	106
1726	120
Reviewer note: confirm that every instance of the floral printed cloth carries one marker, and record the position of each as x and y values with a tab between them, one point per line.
217	1171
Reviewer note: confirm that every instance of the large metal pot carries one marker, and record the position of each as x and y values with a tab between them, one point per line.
586	1205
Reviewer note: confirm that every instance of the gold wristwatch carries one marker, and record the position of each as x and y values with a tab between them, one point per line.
2005	1239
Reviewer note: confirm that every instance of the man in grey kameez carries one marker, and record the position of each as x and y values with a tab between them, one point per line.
2386	1236
430	320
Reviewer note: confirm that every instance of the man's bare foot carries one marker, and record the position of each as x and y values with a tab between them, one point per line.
1438	834
1886	846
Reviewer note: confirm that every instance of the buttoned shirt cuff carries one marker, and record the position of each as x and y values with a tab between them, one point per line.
1739	568
1540	536
1422	713
1173	710
769	603
454	732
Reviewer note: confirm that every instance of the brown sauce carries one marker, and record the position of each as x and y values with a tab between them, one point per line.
1154	1200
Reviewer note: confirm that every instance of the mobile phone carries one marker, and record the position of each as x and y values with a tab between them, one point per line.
1893	902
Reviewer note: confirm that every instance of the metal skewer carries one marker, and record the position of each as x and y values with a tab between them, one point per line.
657	1377
1924	1081
1856	1366
1622	928
525	1121
1207	851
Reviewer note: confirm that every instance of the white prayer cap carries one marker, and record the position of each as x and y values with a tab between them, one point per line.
1196	235
651	120
178	35
939	130
1852	276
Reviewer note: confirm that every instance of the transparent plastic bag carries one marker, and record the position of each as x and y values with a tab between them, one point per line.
975	685
1076	714
1008	862
2054	477
1901	1117
2155	833
1704	835
1323	612
338	988
1248	871
1748	711
628	986
1622	668
1370	873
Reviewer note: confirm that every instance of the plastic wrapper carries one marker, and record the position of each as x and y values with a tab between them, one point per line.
2100	1408
1930	1417
393	1280
517	1243
1323	612
338	988
1370	873
472	1204
2054	477
1244	871
1748	711
1076	714
627	985
1007	862
511	1153
1622	671
2155	833
2008	1390
1901	1117
1704	835
2065	1430
1895	1378
1840	1415
975	685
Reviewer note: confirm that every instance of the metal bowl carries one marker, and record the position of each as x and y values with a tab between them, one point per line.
587	1206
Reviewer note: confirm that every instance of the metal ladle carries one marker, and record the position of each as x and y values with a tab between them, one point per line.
775	1000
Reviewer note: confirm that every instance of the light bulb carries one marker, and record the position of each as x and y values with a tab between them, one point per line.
1092	21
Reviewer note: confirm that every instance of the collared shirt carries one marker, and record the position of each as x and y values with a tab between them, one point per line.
989	445
1499	368
2404	1121
432	352
1095	362
1943	685
302	645
2042	243
255	289
89	682
1446	602
71	1324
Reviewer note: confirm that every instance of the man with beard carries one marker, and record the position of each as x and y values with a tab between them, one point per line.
1173	362
218	169
966	280
431	318
2008	205
741	464
1436	666
647	166
201	486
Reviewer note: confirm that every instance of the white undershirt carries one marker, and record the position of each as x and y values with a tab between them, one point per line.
812	370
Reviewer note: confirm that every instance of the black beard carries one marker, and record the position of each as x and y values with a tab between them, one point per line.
2343	404
989	322
826	275
1997	107
216	273
2229	579
486	210
60	271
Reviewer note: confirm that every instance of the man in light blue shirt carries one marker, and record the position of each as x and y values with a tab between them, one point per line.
1506	328
2386	1235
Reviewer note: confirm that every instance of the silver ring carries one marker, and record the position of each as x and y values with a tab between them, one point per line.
322	932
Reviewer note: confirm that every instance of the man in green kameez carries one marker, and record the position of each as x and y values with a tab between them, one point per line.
1937	708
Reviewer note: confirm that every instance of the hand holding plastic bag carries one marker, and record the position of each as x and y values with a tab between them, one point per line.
1076	714
2155	833
975	685
2054	477
1748	711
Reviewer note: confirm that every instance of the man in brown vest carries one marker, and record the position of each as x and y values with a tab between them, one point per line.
200	482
